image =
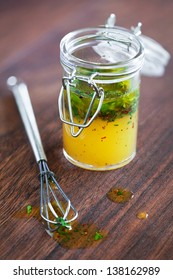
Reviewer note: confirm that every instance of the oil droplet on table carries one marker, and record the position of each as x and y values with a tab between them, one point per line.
142	215
81	236
119	195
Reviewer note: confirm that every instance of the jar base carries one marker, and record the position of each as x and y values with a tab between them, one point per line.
95	168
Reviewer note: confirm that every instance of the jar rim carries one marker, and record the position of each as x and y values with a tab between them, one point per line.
74	38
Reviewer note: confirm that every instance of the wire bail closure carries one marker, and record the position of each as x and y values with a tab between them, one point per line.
98	93
111	21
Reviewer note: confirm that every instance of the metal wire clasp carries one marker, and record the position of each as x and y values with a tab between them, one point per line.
98	92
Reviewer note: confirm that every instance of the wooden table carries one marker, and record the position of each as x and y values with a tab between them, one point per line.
30	34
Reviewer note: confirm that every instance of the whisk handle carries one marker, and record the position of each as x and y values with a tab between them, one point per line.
24	105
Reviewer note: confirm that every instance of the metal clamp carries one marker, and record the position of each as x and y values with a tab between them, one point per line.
98	93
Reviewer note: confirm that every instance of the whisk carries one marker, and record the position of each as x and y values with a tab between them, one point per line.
55	207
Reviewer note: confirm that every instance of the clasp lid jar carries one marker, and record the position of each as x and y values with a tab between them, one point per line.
98	101
93	58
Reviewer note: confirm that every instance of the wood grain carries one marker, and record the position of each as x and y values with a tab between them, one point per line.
30	34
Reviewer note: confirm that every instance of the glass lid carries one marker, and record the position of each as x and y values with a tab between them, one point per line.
156	57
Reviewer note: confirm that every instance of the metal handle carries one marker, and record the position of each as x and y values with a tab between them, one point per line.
24	105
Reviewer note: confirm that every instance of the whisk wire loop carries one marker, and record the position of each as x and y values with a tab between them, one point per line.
49	199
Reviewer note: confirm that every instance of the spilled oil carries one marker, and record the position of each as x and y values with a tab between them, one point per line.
23	213
119	195
82	235
142	215
122	195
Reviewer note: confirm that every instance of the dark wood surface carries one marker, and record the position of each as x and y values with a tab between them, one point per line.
30	33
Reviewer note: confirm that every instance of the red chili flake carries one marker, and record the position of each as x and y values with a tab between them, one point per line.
104	127
103	137
126	111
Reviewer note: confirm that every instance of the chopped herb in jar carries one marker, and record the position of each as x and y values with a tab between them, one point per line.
120	100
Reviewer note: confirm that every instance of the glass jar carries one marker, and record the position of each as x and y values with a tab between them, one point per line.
98	101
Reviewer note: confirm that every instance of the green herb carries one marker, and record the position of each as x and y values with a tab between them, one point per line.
120	100
62	222
98	236
119	192
28	209
62	231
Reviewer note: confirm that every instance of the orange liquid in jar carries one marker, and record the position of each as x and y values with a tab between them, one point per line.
109	142
103	144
